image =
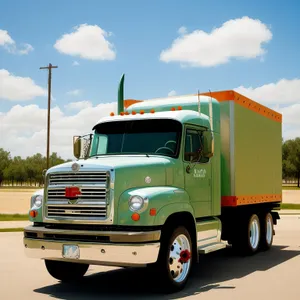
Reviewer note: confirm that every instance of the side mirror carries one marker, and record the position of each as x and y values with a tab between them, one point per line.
77	146
208	141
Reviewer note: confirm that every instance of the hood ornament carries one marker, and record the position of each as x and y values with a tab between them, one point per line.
75	167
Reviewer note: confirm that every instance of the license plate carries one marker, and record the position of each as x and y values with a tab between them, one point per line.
71	251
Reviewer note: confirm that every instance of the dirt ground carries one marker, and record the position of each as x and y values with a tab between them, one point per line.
18	201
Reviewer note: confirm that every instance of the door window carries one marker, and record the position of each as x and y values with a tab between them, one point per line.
194	146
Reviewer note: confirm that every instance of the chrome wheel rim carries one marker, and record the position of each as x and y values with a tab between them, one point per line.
179	258
254	234
269	230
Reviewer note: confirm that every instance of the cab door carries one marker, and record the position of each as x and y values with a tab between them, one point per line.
197	170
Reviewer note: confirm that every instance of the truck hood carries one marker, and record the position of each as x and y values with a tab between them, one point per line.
134	171
115	162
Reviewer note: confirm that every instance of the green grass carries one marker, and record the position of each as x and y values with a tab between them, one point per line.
291	187
14	217
290	206
11	229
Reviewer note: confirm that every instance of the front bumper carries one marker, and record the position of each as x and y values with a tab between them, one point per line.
119	249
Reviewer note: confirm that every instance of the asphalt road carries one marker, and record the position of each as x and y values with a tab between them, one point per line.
269	275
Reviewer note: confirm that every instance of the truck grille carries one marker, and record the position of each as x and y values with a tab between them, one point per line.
90	204
78	178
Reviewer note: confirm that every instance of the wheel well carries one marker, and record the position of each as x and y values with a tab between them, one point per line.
187	220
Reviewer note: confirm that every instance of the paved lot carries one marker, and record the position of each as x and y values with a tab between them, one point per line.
18	202
269	275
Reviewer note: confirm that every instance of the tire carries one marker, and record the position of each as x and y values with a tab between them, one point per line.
66	271
175	260
267	228
247	239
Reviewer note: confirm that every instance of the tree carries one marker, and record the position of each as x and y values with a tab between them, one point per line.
291	159
4	163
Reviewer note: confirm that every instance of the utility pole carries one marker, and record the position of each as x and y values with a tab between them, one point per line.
49	67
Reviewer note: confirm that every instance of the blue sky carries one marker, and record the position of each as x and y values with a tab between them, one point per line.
140	31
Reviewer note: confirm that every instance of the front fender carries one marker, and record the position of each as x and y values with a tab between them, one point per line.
166	200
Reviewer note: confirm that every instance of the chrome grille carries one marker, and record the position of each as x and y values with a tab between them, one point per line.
91	204
78	178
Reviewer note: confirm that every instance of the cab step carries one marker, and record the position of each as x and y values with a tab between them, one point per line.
211	248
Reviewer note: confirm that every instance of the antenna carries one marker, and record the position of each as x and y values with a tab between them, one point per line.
199	108
211	112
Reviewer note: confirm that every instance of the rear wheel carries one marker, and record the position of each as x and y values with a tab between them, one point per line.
247	239
175	260
66	271
267	231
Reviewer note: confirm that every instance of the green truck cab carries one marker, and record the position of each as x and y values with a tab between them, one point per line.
160	183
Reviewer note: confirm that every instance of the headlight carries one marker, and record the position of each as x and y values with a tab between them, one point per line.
37	201
136	203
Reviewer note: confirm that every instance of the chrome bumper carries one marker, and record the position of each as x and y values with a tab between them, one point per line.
138	250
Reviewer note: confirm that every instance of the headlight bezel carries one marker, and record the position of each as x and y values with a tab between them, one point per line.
34	200
142	208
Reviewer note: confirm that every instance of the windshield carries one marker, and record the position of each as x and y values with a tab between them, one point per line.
161	136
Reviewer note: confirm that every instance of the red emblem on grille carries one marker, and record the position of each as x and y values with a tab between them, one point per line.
72	192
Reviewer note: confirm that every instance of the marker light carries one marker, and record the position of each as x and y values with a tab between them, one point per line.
33	213
135	217
133	112
112	114
152	111
142	112
173	108
126	113
152	212
122	113
179	108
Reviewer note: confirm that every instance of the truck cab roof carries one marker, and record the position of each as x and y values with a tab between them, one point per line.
182	116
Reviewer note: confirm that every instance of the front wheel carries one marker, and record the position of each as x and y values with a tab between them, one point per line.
175	260
66	271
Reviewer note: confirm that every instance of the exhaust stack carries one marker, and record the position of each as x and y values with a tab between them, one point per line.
121	95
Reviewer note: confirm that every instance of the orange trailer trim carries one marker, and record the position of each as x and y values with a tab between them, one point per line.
246	102
244	200
230	95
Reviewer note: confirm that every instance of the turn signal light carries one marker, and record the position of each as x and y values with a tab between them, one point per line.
152	212
135	217
33	213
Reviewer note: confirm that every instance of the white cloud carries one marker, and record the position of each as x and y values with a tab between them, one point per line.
79	105
182	30
10	45
74	92
239	38
281	92
5	38
27	49
29	135
18	88
87	41
75	63
172	93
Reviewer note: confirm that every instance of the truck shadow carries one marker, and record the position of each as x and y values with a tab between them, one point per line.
209	274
